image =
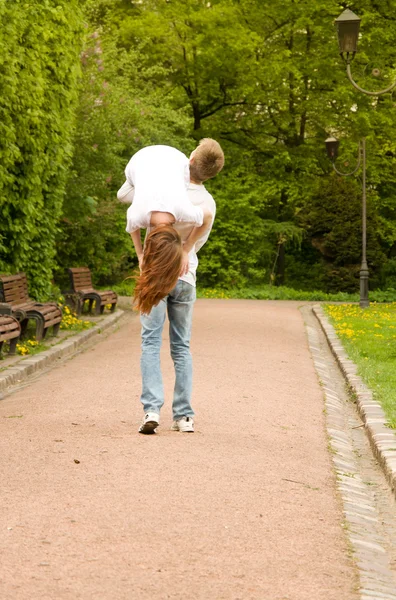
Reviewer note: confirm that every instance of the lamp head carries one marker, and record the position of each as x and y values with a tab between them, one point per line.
332	148
348	25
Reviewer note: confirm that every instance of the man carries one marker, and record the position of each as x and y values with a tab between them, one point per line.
178	304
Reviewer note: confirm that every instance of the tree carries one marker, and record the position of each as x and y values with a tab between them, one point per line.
266	81
334	228
120	110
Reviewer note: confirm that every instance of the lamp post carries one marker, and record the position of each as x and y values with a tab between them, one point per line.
332	145
348	25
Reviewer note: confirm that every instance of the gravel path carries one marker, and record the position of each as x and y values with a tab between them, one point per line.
243	509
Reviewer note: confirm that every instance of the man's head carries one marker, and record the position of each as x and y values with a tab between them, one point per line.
206	160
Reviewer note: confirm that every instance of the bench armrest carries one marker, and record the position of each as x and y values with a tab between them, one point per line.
5	309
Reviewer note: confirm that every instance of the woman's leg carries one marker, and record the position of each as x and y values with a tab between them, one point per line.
152	396
180	310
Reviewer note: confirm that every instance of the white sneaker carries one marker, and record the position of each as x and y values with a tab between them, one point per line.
185	424
150	423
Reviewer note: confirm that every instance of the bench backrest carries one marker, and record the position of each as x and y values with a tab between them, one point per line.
14	289
80	279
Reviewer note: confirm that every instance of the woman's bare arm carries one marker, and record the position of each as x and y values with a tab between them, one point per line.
137	242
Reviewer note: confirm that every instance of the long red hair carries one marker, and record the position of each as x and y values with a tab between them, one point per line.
160	270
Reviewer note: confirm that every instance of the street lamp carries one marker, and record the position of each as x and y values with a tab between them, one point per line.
332	145
348	25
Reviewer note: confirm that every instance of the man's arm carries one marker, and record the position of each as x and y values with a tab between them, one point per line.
195	235
198	232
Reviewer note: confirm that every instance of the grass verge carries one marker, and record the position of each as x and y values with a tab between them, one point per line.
369	337
269	292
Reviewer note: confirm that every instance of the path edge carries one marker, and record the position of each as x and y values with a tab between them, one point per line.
48	358
382	439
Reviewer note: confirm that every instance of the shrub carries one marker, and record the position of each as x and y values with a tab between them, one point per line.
39	67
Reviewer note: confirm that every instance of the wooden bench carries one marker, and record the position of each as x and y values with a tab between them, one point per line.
10	329
14	291
82	289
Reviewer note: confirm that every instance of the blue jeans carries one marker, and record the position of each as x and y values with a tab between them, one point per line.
179	303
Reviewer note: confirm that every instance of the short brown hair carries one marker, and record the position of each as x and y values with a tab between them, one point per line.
208	160
162	258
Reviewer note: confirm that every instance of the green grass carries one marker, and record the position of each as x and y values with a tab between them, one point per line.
369	337
124	288
265	292
268	292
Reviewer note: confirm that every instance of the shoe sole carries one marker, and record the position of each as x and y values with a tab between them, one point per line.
149	427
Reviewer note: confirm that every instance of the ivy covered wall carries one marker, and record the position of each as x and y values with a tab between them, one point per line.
40	45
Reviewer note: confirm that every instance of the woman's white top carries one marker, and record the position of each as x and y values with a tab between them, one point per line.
157	178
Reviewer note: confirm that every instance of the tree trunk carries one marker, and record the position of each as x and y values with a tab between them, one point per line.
281	264
197	115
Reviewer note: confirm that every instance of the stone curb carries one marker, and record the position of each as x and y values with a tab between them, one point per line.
364	521
382	439
32	365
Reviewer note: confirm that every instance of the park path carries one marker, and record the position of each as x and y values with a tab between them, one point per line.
245	508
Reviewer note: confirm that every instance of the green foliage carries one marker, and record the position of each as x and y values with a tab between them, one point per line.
334	228
39	67
125	287
241	247
207	45
388	274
